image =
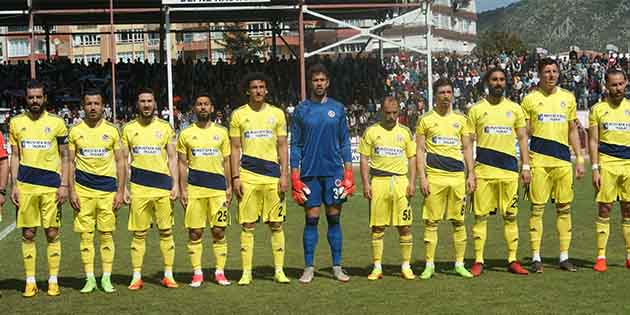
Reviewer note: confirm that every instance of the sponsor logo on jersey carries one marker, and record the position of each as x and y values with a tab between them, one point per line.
331	114
36	144
445	140
627	112
563	104
388	151
146	150
215	138
158	134
105	137
497	130
47	130
616	126
204	152
552	118
399	138
271	120
258	134
93	152
456	125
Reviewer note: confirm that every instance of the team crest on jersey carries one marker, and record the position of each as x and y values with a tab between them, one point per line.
23	129
331	114
627	112
508	114
158	134
337	182
215	138
105	137
194	137
271	120
563	104
541	104
456	125
399	138
47	130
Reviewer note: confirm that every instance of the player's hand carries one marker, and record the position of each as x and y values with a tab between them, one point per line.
367	191
424	186
300	191
411	190
597	180
471	183
183	199
119	199
237	188
62	194
15	196
526	176
74	201
174	192
228	197
127	196
348	184
579	170
283	184
2	201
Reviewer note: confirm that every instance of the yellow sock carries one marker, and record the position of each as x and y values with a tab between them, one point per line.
563	225
510	234
54	256
29	254
167	247
480	232
247	248
277	246
459	240
430	239
108	250
220	248
86	246
138	247
625	228
536	227
602	227
406	246
195	251
377	246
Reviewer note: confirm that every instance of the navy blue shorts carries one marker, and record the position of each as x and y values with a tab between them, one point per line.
324	189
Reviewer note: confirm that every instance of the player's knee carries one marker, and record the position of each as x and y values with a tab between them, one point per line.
563	209
481	218
404	230
313	221
333	219
509	217
28	234
140	235
431	223
86	236
538	210
378	229
275	226
457	223
106	235
218	233
249	226
313	212
195	234
603	210
52	235
166	233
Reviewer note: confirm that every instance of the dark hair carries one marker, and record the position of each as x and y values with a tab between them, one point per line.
389	99
92	92
613	71
203	93
486	77
317	68
254	76
440	83
546	62
35	84
144	90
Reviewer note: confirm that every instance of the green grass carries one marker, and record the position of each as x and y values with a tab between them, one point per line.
496	291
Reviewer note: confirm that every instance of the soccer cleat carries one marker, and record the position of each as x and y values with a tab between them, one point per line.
221	279
627	263
307	276
407	274
427	273
196	281
136	285
462	271
340	274
516	268
567	266
280	277
476	269
375	274
600	265
106	284
246	279
53	289
90	285
169	282
30	290
537	266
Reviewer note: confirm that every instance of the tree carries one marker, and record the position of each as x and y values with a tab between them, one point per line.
241	45
492	43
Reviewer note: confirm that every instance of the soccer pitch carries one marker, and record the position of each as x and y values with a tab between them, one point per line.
496	291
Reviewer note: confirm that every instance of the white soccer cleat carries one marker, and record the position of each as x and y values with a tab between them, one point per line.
307	276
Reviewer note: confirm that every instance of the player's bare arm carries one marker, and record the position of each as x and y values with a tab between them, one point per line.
421	164
15	165
227	171
62	192
411	188
283	155
74	198
235	159
471	181
526	175
593	145
574	140
125	183
121	172
365	177
172	166
182	162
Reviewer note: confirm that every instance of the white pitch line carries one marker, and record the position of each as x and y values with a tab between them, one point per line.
7	230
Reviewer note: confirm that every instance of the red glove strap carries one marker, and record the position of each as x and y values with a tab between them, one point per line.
347	174
295	176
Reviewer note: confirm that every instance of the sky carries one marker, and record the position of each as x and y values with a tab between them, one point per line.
485	5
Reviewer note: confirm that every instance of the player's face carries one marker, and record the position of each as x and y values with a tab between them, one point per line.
390	113
444	96
203	108
257	91
549	76
93	107
146	105
35	100
496	84
616	85
320	83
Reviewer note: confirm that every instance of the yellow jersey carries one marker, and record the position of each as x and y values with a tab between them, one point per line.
549	117
94	157
389	151
495	128
38	142
259	132
205	149
613	124
443	140
150	175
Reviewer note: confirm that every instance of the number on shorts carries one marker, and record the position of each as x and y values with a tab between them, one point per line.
280	211
406	214
222	216
514	204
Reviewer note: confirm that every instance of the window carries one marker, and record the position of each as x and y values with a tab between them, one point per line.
154	38
88	58
86	40
189	37
130	36
18	48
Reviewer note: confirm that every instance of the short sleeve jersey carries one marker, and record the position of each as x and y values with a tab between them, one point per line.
38	142
613	124
205	149
388	150
495	128
94	155
443	140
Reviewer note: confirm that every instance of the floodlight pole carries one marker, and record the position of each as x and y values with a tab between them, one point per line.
169	66
31	37
112	45
429	21
302	54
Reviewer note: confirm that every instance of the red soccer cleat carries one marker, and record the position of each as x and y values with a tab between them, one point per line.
221	279
516	268
627	263
476	269
600	265
196	281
